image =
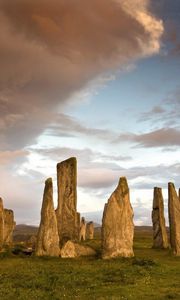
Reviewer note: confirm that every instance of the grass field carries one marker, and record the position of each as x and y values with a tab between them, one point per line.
151	274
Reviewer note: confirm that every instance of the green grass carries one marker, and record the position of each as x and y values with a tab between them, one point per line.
152	274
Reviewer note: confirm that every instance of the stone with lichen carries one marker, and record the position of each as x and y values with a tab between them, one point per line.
9	225
48	238
160	238
82	236
90	230
66	212
174	218
117	223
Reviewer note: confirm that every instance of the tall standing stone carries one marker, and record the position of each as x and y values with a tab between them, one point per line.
67	216
48	238
1	223
117	223
9	225
78	224
174	218
160	238
90	230
82	229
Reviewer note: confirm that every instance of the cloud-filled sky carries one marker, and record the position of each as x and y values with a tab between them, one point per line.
98	80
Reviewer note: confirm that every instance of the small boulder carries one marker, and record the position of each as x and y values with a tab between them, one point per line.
72	250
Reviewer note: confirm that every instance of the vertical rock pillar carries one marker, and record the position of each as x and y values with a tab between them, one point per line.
174	218
82	236
90	230
67	217
117	224
48	238
160	239
9	225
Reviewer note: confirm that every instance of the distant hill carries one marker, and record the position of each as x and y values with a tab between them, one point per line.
22	232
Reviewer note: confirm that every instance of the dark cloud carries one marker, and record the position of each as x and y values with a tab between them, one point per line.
169	12
50	49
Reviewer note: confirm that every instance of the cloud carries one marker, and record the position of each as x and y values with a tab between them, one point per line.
84	156
52	49
169	12
157	112
166	113
97	171
158	138
67	126
9	157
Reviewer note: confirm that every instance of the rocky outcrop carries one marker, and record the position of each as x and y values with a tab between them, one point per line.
90	230
48	238
174	218
160	238
9	225
117	224
66	213
82	236
72	250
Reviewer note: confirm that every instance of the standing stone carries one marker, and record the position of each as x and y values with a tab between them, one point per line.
174	218
1	223
78	223
90	230
48	238
66	213
83	230
117	224
160	239
9	225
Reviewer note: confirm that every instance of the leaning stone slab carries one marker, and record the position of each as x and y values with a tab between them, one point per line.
117	224
174	218
160	238
72	250
48	238
66	212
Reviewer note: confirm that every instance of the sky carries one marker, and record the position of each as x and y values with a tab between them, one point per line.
99	80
